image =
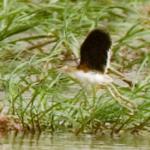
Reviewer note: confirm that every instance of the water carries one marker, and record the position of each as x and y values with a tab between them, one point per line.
63	141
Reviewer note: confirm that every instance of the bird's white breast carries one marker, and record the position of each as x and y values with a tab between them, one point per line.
92	77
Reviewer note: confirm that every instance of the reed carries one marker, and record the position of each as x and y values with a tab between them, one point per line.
36	39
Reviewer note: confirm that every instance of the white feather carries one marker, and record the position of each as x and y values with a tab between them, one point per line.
92	77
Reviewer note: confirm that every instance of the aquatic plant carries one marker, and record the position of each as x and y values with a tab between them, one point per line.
38	38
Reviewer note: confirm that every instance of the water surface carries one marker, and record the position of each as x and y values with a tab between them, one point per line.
63	141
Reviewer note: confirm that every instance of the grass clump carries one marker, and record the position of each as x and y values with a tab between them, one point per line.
35	40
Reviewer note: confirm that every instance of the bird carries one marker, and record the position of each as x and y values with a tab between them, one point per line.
95	54
94	61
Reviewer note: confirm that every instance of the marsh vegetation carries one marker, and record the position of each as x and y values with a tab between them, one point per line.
38	38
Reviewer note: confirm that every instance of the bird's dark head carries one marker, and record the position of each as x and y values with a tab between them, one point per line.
94	51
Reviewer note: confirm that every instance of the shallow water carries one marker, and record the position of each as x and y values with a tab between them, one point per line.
65	141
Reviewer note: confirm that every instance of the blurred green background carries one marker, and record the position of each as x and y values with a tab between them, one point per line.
36	39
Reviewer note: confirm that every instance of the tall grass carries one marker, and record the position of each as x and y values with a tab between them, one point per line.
36	38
